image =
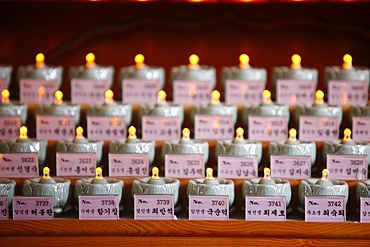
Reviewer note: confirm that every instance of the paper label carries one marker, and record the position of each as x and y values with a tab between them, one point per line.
347	167
76	164
315	128
19	165
161	128
102	207
265	208
325	208
365	209
239	92
348	93
210	127
3	84
361	129
208	207
237	167
37	91
184	166
9	127
128	165
290	167
263	128
33	207
55	127
192	92
4	208
136	91
292	92
106	128
153	207
88	91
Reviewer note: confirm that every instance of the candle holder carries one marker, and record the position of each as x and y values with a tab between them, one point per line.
156	185
132	145
92	71
267	186
321	187
12	108
362	190
81	145
58	188
239	147
293	147
7	188
99	186
26	145
212	186
359	111
6	74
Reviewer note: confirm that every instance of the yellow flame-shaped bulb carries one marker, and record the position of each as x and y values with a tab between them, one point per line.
90	60
347	135
58	97
215	95
139	60
325	175
132	133
161	97
46	173
185	134
79	133
266	173
292	134
193	61
239	134
155	173
98	173
319	95
5	94
23	133
209	172
40	60
296	61
266	95
347	61
109	96
244	61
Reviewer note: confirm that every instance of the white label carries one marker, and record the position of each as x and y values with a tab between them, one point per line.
9	127
239	92
290	167
365	209
3	84
88	91
210	127
161	128
191	92
128	165
184	166
76	164
55	127
20	165
237	167
265	208
348	93
294	92
325	208
208	207
153	207
106	128
347	167
315	128
136	91
361	129
37	91
98	207
262	128
33	208
4	208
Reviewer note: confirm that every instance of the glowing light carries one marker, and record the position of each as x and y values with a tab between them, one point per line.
244	61
98	173
5	96
139	60
319	97
58	97
23	133
185	134
266	173
325	175
41	92
347	61
239	134
132	133
109	96
296	61
215	97
193	61
79	132
292	135
161	99
40	60
209	172
155	173
347	135
90	60
46	173
266	96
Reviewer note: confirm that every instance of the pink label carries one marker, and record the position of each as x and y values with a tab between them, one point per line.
55	127
184	166
4	208
191	92
76	164
37	91
161	128
265	208
290	167
348	93
19	165
263	128
237	167
238	92
292	92
347	167
365	209
325	208
9	127
33	208
361	129
128	165
315	128
210	127
208	207
140	91
88	91
3	84
106	128
103	207
153	207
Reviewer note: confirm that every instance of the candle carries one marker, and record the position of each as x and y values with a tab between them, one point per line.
193	62
266	95
244	61
161	99
58	98
347	135
79	132
185	134
139	61
215	97
319	95
99	173
325	175
90	60
155	173
209	172
347	62
40	60
5	96
296	62
266	173
23	133
46	173
292	135
239	134
132	133
109	96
